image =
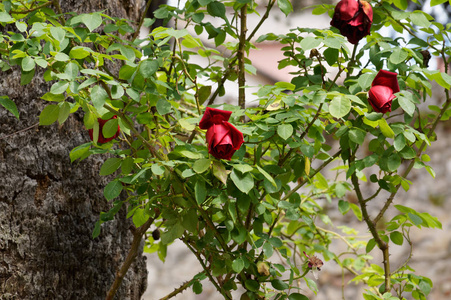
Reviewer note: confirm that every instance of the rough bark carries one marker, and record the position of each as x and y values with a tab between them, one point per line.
48	206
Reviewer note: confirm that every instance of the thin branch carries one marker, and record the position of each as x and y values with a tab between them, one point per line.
179	290
20	131
141	20
241	56
137	237
23	12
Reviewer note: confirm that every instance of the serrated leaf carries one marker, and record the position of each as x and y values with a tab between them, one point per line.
385	128
163	106
216	9
9	105
407	105
28	63
148	67
238	265
285	131
59	87
397	238
200	191
220	172
98	96
243	182
285	6
110	128
203	93
112	190
64	112
92	21
310	42
110	166
267	176
357	135
201	165
49	114
279	284
339	107
140	217
398	56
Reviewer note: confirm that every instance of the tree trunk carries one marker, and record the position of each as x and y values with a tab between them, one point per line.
48	206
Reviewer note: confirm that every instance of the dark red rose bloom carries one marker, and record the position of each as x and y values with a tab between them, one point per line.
353	18
222	137
102	139
382	90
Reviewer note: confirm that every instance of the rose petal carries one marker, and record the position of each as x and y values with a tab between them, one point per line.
380	97
388	79
213	116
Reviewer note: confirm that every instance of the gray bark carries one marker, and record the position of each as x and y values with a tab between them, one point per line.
48	206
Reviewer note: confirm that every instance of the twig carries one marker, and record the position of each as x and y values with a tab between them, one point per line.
23	12
178	290
20	131
137	237
141	20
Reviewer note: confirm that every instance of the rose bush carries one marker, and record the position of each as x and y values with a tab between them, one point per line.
382	90
222	137
353	19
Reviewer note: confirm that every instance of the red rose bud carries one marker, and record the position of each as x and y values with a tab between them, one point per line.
102	139
353	18
382	90
222	137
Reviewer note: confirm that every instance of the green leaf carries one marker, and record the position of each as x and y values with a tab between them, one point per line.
397	238
285	131
59	87
400	142
92	21
173	233
200	191
385	128
9	105
297	296
60	56
203	93
110	128
365	80
26	77
148	67
398	56
216	9
112	190
252	285
407	105
28	63
339	107
64	112
285	6
370	245
140	217
243	182
201	165
267	176
98	96
5	17
343	206
71	70
79	151
58	33
238	265
79	52
356	210
96	231
437	2
110	166
357	135
310	42
279	284
163	106
393	162
49	114
157	169
220	172
418	18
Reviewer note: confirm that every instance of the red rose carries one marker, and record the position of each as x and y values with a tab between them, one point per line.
222	137
353	18
102	139
382	91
